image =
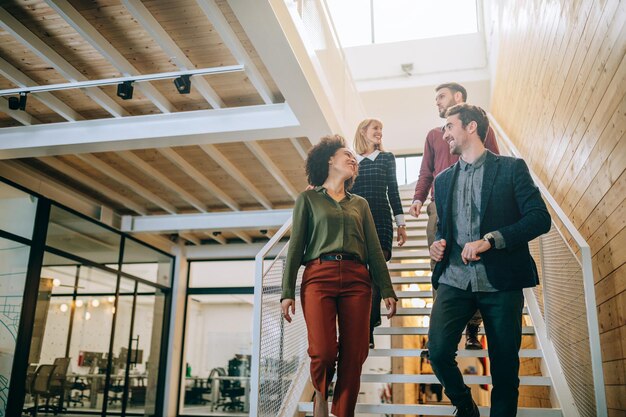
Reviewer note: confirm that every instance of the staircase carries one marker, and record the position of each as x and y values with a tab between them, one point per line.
396	360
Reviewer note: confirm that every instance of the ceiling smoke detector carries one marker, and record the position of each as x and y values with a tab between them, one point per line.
407	69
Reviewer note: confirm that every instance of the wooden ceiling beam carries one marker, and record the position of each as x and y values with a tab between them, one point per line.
21	116
272	168
243	236
47	54
190	238
163	39
216	236
108	51
223	28
197	176
267	121
296	144
147	169
127	182
84	179
234	172
20	79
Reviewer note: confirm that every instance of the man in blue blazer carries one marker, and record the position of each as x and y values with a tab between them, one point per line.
489	209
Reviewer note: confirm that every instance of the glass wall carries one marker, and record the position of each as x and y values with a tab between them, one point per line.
17	217
218	339
97	316
13	264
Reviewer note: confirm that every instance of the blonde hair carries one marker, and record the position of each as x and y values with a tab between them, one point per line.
360	142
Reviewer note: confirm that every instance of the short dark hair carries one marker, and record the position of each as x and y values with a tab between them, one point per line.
317	160
469	113
455	88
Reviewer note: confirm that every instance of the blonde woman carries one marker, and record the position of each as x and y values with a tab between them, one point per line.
378	185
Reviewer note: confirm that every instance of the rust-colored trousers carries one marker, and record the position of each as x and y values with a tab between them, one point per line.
337	293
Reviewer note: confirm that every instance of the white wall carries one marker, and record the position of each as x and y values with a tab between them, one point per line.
215	333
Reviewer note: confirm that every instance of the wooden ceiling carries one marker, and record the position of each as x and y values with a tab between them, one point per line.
60	41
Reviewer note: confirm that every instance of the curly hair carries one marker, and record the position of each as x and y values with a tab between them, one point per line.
317	160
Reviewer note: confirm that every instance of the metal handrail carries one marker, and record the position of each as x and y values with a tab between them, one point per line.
584	259
257	311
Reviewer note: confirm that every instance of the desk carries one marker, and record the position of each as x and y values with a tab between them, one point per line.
215	390
96	384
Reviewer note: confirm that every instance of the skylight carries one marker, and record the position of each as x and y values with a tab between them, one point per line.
363	22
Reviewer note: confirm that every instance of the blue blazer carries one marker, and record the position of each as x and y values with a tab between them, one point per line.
511	204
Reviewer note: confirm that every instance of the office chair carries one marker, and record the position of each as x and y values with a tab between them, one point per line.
230	393
49	382
77	392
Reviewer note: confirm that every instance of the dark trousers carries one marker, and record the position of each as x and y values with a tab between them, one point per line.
337	294
502	318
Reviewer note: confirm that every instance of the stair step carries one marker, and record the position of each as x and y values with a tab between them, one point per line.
543	381
410	280
414	294
413	244
401	253
523	353
432	410
527	330
413	266
423	311
416	232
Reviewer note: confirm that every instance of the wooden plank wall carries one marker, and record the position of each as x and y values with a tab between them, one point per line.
559	93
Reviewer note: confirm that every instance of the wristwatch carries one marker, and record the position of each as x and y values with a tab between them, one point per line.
491	239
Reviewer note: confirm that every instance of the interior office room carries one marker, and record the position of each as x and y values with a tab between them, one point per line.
151	153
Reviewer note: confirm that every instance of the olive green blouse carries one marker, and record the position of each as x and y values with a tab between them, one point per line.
323	225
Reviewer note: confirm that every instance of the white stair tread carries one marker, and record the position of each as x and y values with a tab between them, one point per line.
411	280
404	311
527	330
432	379
414	294
523	353
410	253
433	410
413	243
413	266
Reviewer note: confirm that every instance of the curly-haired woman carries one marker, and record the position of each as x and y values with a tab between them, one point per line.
377	183
334	235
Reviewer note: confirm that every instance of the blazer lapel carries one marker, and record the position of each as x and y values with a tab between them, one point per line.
448	204
489	176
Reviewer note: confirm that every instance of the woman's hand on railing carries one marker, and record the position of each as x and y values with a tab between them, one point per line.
390	303
289	304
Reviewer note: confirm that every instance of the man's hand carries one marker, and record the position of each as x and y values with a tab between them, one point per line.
286	305
415	209
402	237
437	249
471	250
390	303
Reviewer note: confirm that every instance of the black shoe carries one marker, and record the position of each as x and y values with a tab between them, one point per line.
467	409
372	339
471	338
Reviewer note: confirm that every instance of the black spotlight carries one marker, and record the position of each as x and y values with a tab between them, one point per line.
125	90
16	103
183	84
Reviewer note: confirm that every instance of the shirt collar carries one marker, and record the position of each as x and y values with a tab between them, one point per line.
371	157
321	189
477	163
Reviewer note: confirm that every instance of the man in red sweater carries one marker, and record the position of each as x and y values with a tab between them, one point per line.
436	158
